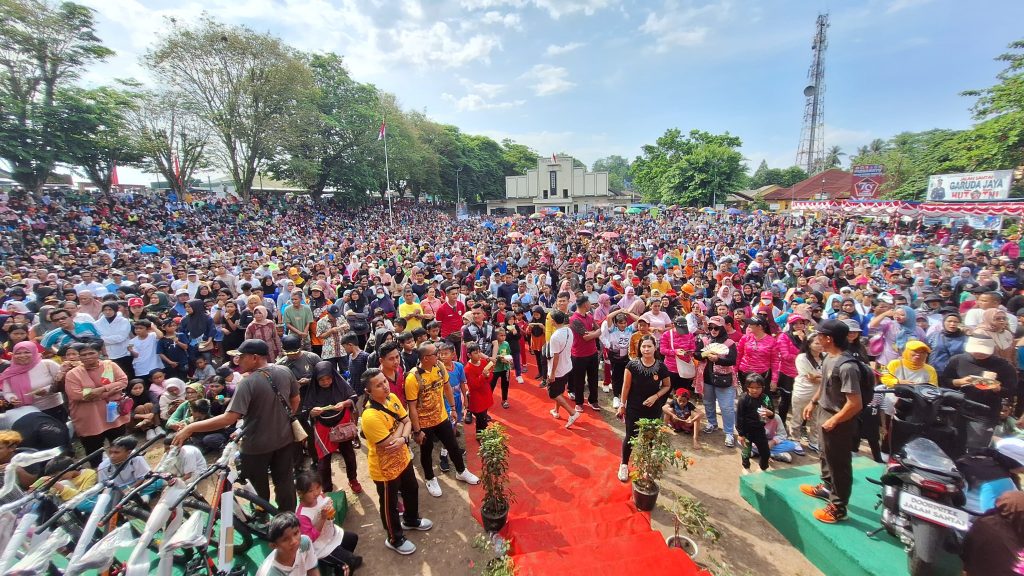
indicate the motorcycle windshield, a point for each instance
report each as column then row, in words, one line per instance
column 925, row 454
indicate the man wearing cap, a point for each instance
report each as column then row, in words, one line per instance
column 838, row 403
column 978, row 361
column 266, row 398
column 299, row 361
column 329, row 329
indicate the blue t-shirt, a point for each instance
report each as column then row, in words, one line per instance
column 456, row 377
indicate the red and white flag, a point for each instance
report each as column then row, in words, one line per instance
column 380, row 135
column 177, row 170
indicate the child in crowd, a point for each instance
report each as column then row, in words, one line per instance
column 479, row 392
column 156, row 382
column 143, row 348
column 457, row 379
column 70, row 483
column 204, row 370
column 682, row 416
column 218, row 395
column 194, row 409
column 174, row 357
column 172, row 397
column 1007, row 427
column 536, row 332
column 502, row 361
column 752, row 410
column 410, row 356
column 334, row 546
column 145, row 416
column 782, row 448
column 133, row 472
column 292, row 552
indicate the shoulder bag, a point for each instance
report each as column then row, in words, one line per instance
column 684, row 368
column 298, row 432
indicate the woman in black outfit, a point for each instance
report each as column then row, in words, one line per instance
column 328, row 401
column 644, row 387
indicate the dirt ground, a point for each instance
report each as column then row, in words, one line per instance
column 749, row 545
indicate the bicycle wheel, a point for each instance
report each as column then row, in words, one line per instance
column 253, row 514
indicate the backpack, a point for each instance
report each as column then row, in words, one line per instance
column 867, row 377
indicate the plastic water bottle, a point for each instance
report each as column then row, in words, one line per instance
column 111, row 411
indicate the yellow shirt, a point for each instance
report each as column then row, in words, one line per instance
column 407, row 308
column 430, row 399
column 377, row 426
column 664, row 286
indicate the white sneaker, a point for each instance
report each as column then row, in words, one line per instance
column 606, row 389
column 519, row 379
column 467, row 477
column 554, row 413
column 424, row 525
column 579, row 409
column 572, row 419
column 405, row 548
column 150, row 434
column 159, row 431
column 783, row 457
column 434, row 488
column 730, row 441
column 616, row 403
column 623, row 473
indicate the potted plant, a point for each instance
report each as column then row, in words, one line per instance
column 494, row 477
column 651, row 454
column 691, row 514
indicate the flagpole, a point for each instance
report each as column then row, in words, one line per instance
column 387, row 168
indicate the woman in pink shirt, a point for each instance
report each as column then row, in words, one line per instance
column 90, row 386
column 755, row 350
column 788, row 345
column 677, row 345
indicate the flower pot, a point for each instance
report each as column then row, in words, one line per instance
column 643, row 498
column 683, row 543
column 494, row 522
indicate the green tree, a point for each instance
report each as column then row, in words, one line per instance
column 330, row 153
column 833, row 158
column 43, row 48
column 759, row 177
column 172, row 139
column 765, row 176
column 518, row 158
column 250, row 89
column 618, row 171
column 693, row 170
column 576, row 162
column 98, row 135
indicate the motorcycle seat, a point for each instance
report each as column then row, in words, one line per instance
column 924, row 454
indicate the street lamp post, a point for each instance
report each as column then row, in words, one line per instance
column 458, row 192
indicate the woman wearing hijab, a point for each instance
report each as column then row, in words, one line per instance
column 159, row 304
column 263, row 328
column 947, row 342
column 116, row 330
column 630, row 302
column 995, row 325
column 996, row 540
column 43, row 324
column 896, row 327
column 788, row 345
column 27, row 381
column 328, row 402
column 196, row 329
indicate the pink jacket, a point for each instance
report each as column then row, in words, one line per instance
column 785, row 357
column 681, row 342
column 753, row 355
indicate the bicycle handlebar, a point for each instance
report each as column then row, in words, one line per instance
column 21, row 461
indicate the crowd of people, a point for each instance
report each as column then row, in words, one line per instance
column 140, row 314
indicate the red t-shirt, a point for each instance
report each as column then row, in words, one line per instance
column 450, row 319
column 481, row 397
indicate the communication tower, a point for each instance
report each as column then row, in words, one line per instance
column 811, row 155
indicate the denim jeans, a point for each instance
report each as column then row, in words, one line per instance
column 726, row 401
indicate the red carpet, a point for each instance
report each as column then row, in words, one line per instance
column 571, row 515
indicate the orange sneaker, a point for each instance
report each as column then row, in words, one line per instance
column 815, row 490
column 830, row 514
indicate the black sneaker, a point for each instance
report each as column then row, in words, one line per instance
column 445, row 465
column 746, row 463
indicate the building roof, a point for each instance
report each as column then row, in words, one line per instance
column 834, row 183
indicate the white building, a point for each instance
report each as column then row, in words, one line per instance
column 555, row 184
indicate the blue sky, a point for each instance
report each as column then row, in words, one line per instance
column 600, row 77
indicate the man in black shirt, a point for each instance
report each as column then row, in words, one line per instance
column 978, row 358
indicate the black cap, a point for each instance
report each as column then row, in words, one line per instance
column 334, row 310
column 837, row 329
column 679, row 320
column 291, row 343
column 251, row 346
column 934, row 298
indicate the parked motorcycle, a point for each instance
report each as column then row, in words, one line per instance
column 925, row 494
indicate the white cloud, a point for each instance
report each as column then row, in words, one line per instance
column 413, row 8
column 683, row 24
column 898, row 5
column 559, row 49
column 438, row 45
column 547, row 80
column 482, row 88
column 555, row 8
column 475, row 102
column 510, row 20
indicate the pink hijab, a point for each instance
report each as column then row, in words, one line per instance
column 17, row 374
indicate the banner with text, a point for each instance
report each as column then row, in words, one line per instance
column 970, row 187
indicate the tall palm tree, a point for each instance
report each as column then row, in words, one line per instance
column 877, row 145
column 832, row 157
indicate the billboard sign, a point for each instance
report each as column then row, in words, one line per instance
column 865, row 189
column 864, row 170
column 970, row 187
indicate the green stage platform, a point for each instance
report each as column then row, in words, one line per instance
column 841, row 549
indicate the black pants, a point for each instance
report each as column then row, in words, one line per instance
column 503, row 377
column 785, row 396
column 680, row 382
column 348, row 454
column 585, row 368
column 869, row 424
column 542, row 364
column 618, row 374
column 279, row 463
column 125, row 363
column 836, row 459
column 445, row 434
column 388, row 491
column 93, row 443
column 482, row 419
column 343, row 554
column 757, row 437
